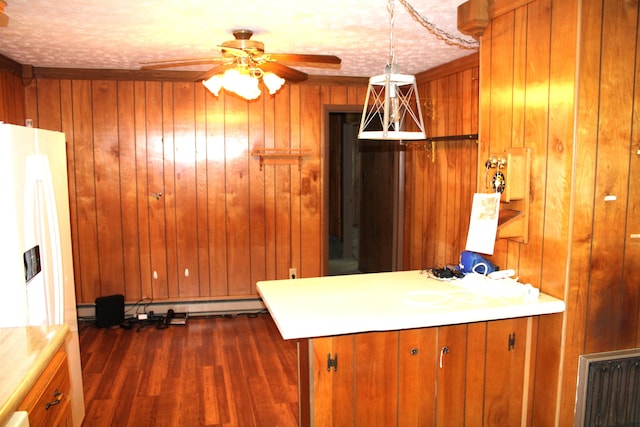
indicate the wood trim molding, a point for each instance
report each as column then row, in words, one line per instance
column 8, row 64
column 159, row 75
column 337, row 80
column 500, row 7
column 462, row 64
column 111, row 74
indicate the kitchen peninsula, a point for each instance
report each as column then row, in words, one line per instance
column 403, row 348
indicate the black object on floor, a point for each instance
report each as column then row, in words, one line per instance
column 109, row 311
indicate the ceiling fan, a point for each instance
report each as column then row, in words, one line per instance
column 244, row 53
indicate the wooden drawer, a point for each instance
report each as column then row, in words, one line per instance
column 48, row 402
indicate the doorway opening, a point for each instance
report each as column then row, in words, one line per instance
column 344, row 192
column 364, row 198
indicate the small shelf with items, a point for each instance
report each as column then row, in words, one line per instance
column 280, row 156
column 512, row 178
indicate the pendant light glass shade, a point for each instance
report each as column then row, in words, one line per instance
column 391, row 109
column 244, row 82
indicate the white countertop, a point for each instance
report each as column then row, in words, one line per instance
column 336, row 305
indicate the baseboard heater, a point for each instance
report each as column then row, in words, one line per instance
column 608, row 393
column 194, row 308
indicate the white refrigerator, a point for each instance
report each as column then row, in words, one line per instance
column 37, row 285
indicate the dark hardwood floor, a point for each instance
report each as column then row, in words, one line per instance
column 218, row 371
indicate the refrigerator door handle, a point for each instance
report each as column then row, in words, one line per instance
column 54, row 236
column 40, row 180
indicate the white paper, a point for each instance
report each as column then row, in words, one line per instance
column 483, row 226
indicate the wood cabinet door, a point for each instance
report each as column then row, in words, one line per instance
column 331, row 391
column 505, row 372
column 362, row 390
column 344, row 391
column 417, row 377
column 320, row 390
column 376, row 378
column 475, row 374
column 450, row 375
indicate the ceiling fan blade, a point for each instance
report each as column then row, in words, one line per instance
column 215, row 70
column 308, row 58
column 155, row 65
column 283, row 71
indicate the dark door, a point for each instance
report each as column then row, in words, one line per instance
column 380, row 205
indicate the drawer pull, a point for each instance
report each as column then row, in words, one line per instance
column 59, row 396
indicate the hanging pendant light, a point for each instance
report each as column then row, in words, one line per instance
column 391, row 108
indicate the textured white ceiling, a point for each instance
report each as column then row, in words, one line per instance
column 120, row 34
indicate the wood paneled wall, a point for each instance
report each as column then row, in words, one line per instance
column 604, row 291
column 441, row 176
column 11, row 98
column 167, row 201
column 562, row 77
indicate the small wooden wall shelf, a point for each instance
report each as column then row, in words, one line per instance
column 513, row 220
column 280, row 156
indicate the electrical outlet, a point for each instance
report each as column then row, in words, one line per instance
column 292, row 273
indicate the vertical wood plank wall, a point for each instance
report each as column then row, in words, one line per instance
column 441, row 176
column 11, row 99
column 562, row 77
column 231, row 223
column 167, row 201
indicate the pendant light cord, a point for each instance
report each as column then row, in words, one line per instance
column 392, row 19
column 446, row 37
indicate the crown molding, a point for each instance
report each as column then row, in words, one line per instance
column 461, row 64
column 28, row 73
column 8, row 64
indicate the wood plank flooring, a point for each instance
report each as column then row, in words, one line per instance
column 218, row 371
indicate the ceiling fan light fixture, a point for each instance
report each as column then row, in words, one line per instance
column 244, row 81
column 246, row 63
column 236, row 80
column 214, row 84
column 272, row 81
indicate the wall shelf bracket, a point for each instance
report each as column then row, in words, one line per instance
column 280, row 156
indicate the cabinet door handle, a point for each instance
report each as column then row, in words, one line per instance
column 58, row 399
column 444, row 351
